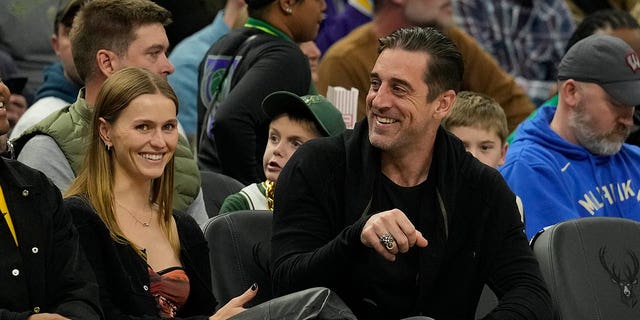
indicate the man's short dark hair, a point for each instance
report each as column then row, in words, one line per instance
column 445, row 68
column 111, row 25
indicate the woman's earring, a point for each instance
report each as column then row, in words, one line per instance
column 108, row 148
column 288, row 10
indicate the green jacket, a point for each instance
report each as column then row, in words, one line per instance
column 69, row 128
column 251, row 197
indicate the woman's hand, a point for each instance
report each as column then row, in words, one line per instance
column 235, row 305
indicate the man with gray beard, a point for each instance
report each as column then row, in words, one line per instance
column 572, row 161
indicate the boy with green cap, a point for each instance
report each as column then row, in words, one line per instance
column 294, row 121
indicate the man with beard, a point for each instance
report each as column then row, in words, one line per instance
column 572, row 161
column 349, row 61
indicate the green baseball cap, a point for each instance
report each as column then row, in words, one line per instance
column 326, row 116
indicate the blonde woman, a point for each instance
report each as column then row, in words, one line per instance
column 150, row 262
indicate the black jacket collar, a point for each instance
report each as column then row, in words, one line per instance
column 363, row 166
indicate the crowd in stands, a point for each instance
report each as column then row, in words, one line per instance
column 480, row 124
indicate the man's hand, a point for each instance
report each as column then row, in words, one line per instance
column 395, row 223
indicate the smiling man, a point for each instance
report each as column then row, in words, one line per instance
column 395, row 216
column 107, row 36
column 348, row 62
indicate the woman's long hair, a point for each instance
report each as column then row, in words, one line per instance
column 96, row 178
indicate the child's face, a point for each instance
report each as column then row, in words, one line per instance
column 285, row 136
column 486, row 146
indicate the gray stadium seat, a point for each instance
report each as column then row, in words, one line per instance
column 215, row 188
column 591, row 267
column 239, row 249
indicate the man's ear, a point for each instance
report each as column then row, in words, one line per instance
column 104, row 128
column 108, row 62
column 570, row 92
column 445, row 101
column 287, row 6
column 54, row 44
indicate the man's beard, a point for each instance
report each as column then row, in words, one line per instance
column 599, row 143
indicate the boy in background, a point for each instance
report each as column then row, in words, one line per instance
column 294, row 121
column 479, row 121
column 481, row 124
